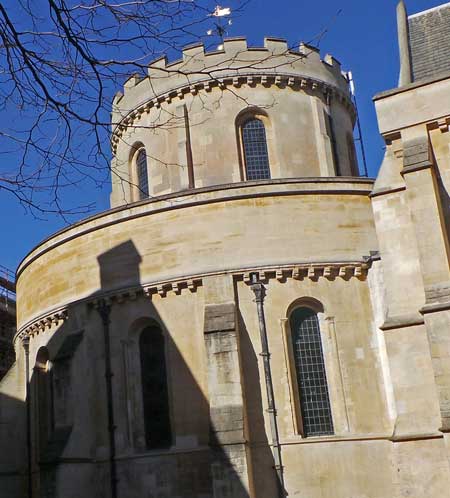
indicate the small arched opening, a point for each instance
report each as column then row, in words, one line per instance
column 251, row 127
column 310, row 370
column 155, row 393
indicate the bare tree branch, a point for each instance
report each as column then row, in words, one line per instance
column 61, row 62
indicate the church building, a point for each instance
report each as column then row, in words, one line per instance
column 251, row 318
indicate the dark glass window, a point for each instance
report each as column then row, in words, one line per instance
column 311, row 374
column 154, row 388
column 255, row 150
column 142, row 174
column 352, row 155
column 332, row 136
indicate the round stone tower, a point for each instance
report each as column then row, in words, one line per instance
column 189, row 118
column 163, row 340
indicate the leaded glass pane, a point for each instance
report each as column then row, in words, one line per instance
column 311, row 374
column 255, row 150
column 142, row 174
column 154, row 389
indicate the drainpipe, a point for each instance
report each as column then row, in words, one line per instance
column 260, row 292
column 189, row 159
column 104, row 311
column 26, row 348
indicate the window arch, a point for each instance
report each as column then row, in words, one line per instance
column 254, row 145
column 310, row 371
column 155, row 395
column 142, row 173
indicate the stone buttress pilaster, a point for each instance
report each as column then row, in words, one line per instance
column 230, row 467
column 424, row 201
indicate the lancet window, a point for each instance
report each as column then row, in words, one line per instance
column 256, row 156
column 352, row 155
column 155, row 395
column 312, row 383
column 142, row 173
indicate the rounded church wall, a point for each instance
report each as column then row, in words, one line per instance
column 172, row 240
column 189, row 115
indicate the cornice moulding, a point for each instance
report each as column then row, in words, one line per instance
column 300, row 271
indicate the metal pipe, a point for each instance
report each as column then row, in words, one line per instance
column 104, row 311
column 360, row 139
column 189, row 159
column 358, row 122
column 26, row 348
column 260, row 292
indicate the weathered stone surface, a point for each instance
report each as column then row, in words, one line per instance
column 230, row 469
column 220, row 318
column 376, row 272
column 416, row 152
column 412, row 220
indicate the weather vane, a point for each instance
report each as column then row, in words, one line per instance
column 221, row 23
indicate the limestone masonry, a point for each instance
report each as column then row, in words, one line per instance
column 251, row 318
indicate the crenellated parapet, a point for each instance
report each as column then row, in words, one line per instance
column 236, row 65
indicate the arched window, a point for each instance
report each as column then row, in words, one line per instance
column 142, row 174
column 311, row 375
column 44, row 398
column 352, row 155
column 155, row 394
column 254, row 144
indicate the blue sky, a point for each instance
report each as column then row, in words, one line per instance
column 362, row 36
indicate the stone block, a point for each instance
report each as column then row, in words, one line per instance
column 219, row 317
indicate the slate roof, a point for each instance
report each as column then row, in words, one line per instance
column 429, row 42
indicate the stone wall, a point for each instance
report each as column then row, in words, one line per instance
column 187, row 116
column 411, row 209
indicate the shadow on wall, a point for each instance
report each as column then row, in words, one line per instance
column 12, row 444
column 264, row 482
column 7, row 331
column 12, row 401
column 97, row 403
column 445, row 202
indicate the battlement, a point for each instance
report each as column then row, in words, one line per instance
column 236, row 54
column 236, row 64
column 235, row 58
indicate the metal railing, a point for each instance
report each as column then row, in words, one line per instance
column 7, row 286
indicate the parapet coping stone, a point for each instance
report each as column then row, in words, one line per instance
column 410, row 86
